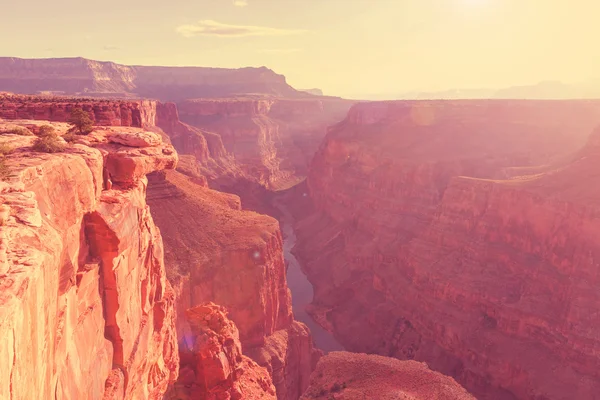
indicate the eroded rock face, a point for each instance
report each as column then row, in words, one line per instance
column 218, row 253
column 137, row 113
column 89, row 77
column 342, row 375
column 86, row 311
column 272, row 140
column 419, row 249
column 214, row 366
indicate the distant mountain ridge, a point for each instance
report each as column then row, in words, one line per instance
column 77, row 76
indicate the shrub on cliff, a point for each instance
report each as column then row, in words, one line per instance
column 81, row 121
column 46, row 130
column 4, row 171
column 5, row 149
column 49, row 144
column 19, row 130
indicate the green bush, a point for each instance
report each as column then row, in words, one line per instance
column 46, row 130
column 81, row 121
column 19, row 130
column 48, row 144
column 69, row 137
column 4, row 171
column 5, row 149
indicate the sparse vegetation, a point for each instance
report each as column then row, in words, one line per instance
column 46, row 130
column 48, row 144
column 4, row 214
column 5, row 149
column 337, row 387
column 19, row 130
column 69, row 137
column 81, row 121
column 4, row 171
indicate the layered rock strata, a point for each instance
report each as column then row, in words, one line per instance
column 88, row 77
column 136, row 113
column 86, row 311
column 218, row 253
column 272, row 140
column 418, row 249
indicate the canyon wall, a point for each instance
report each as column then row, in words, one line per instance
column 213, row 367
column 137, row 113
column 420, row 248
column 86, row 311
column 217, row 252
column 272, row 140
column 79, row 76
column 342, row 375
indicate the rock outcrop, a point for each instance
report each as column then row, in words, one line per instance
column 419, row 248
column 86, row 311
column 137, row 113
column 218, row 253
column 348, row 376
column 77, row 76
column 213, row 367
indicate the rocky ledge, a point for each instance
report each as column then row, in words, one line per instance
column 86, row 310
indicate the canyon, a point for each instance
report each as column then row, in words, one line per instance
column 461, row 234
column 221, row 235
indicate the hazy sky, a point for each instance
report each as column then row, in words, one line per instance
column 345, row 47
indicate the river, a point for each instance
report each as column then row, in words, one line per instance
column 300, row 286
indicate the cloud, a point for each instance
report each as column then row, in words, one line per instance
column 279, row 51
column 240, row 3
column 110, row 47
column 214, row 28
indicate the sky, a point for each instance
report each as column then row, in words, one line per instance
column 344, row 47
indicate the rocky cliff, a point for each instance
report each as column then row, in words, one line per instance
column 89, row 77
column 272, row 140
column 86, row 311
column 346, row 376
column 218, row 253
column 137, row 113
column 213, row 367
column 418, row 249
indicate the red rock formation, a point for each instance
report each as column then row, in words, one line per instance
column 346, row 376
column 214, row 366
column 138, row 113
column 86, row 311
column 272, row 140
column 206, row 147
column 216, row 252
column 488, row 281
column 89, row 77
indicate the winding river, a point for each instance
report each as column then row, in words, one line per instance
column 300, row 286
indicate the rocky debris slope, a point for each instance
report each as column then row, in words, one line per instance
column 418, row 249
column 137, row 113
column 351, row 376
column 86, row 311
column 218, row 253
column 213, row 367
column 89, row 77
